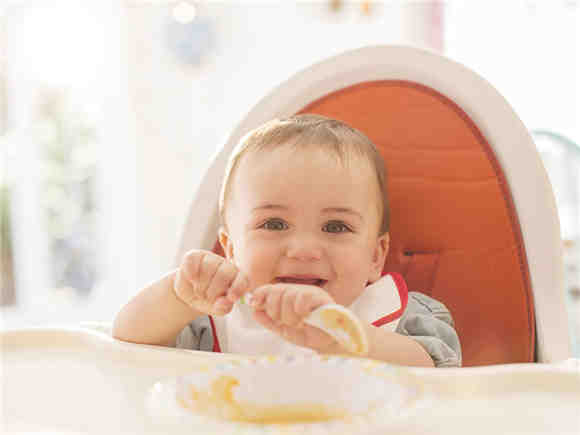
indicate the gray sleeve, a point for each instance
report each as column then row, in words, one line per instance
column 197, row 335
column 429, row 323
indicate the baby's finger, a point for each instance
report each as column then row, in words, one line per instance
column 302, row 304
column 189, row 275
column 272, row 303
column 293, row 335
column 191, row 265
column 239, row 287
column 222, row 305
column 222, row 280
column 306, row 302
column 183, row 288
column 288, row 314
column 263, row 319
column 208, row 268
column 259, row 297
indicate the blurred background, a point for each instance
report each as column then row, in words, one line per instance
column 111, row 109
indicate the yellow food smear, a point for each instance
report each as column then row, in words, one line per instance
column 333, row 319
column 219, row 402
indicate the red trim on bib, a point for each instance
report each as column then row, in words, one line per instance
column 403, row 295
column 216, row 343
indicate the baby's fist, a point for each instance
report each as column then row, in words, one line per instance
column 283, row 307
column 209, row 283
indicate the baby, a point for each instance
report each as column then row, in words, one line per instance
column 304, row 216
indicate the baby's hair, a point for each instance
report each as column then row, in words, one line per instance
column 301, row 132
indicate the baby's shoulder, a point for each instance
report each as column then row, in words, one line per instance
column 420, row 303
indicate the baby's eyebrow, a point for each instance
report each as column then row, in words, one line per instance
column 326, row 210
column 270, row 207
column 343, row 210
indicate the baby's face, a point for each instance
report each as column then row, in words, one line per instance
column 303, row 217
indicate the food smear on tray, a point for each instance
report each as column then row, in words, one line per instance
column 219, row 402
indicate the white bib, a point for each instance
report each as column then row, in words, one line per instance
column 381, row 304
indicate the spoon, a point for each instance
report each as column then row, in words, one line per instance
column 341, row 324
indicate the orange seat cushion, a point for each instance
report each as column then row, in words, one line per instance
column 454, row 230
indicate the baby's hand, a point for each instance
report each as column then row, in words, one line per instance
column 282, row 308
column 209, row 283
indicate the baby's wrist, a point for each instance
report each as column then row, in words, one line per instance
column 336, row 350
column 332, row 348
column 192, row 313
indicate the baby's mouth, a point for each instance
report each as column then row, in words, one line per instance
column 318, row 282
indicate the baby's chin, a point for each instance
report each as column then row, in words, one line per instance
column 343, row 296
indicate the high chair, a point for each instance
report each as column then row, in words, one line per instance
column 473, row 216
column 473, row 224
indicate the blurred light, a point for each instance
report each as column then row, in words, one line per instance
column 59, row 45
column 184, row 12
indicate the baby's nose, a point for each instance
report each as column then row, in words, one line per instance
column 304, row 248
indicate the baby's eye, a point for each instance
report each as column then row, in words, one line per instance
column 274, row 225
column 336, row 227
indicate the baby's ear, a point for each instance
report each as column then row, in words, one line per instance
column 379, row 257
column 226, row 243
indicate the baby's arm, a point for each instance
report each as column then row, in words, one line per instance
column 155, row 315
column 205, row 283
column 394, row 348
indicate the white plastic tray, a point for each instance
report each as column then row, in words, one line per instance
column 76, row 380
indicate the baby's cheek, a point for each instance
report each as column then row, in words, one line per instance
column 353, row 270
column 258, row 261
column 353, row 260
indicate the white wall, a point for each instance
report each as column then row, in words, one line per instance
column 528, row 50
column 71, row 46
column 183, row 113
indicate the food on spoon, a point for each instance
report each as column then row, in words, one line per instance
column 342, row 324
